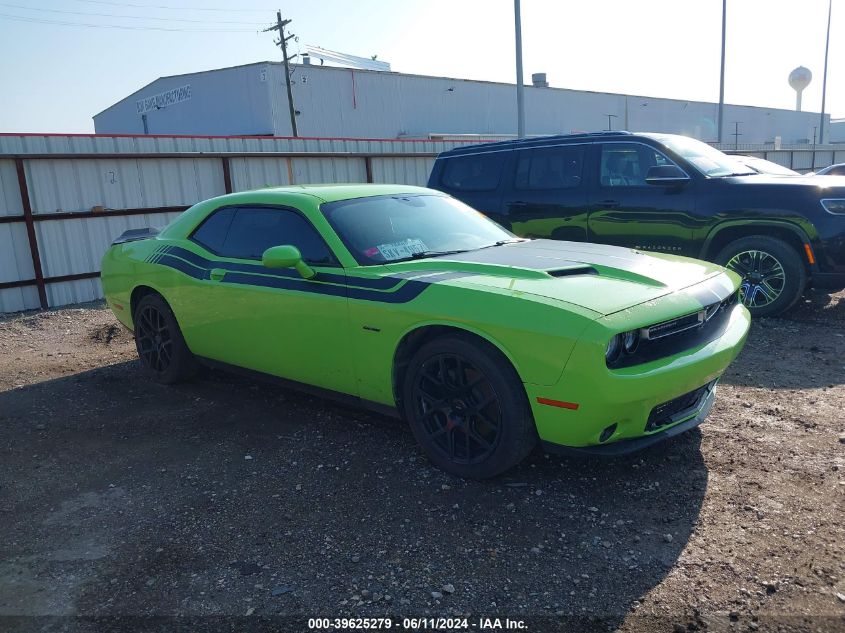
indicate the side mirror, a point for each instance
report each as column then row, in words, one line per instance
column 287, row 257
column 666, row 175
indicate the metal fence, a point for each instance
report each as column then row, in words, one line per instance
column 64, row 198
column 802, row 158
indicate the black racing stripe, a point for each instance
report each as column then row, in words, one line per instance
column 284, row 283
column 176, row 258
column 182, row 266
column 379, row 283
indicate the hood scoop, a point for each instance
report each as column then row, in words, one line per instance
column 572, row 271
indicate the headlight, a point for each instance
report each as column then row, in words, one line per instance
column 614, row 348
column 630, row 341
column 834, row 205
column 625, row 344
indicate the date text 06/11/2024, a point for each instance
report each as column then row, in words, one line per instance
column 418, row 624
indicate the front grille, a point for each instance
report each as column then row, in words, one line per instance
column 678, row 408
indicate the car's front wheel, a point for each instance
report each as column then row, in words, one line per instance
column 159, row 341
column 773, row 275
column 467, row 407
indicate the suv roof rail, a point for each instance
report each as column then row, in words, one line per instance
column 516, row 142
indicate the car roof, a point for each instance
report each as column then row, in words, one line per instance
column 335, row 192
column 533, row 141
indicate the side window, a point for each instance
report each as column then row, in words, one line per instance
column 211, row 234
column 626, row 164
column 550, row 168
column 477, row 172
column 252, row 230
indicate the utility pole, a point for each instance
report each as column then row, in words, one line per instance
column 520, row 88
column 824, row 78
column 722, row 75
column 280, row 27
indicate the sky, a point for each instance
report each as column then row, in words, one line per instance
column 56, row 74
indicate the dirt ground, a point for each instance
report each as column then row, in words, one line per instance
column 229, row 504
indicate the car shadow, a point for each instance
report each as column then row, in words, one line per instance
column 225, row 496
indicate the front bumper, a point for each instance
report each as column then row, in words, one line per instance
column 597, row 398
column 623, row 447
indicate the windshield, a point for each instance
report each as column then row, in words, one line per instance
column 708, row 160
column 392, row 228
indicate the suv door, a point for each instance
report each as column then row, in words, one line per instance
column 626, row 211
column 270, row 320
column 474, row 179
column 545, row 194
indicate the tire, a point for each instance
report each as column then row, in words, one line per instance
column 445, row 382
column 773, row 275
column 159, row 341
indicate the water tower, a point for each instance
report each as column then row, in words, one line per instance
column 799, row 79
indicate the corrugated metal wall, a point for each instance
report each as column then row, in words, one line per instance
column 64, row 198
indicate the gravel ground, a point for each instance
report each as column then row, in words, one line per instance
column 235, row 505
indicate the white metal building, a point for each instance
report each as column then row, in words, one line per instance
column 349, row 103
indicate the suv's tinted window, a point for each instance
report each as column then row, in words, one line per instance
column 211, row 234
column 253, row 230
column 549, row 167
column 626, row 164
column 477, row 172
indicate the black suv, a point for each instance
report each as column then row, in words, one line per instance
column 661, row 192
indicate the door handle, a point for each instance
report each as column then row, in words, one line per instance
column 610, row 204
column 518, row 204
column 217, row 274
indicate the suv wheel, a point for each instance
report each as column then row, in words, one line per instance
column 467, row 408
column 773, row 275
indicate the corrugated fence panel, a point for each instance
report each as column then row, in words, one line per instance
column 19, row 299
column 319, row 170
column 823, row 159
column 68, row 292
column 179, row 181
column 57, row 186
column 402, row 171
column 73, row 247
column 79, row 185
column 10, row 193
column 87, row 144
column 255, row 173
column 15, row 258
column 802, row 160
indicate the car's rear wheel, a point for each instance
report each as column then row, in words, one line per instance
column 467, row 408
column 773, row 275
column 159, row 341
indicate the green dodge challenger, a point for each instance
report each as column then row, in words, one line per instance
column 408, row 301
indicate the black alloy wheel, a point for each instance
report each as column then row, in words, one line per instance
column 467, row 407
column 159, row 341
column 154, row 340
column 458, row 408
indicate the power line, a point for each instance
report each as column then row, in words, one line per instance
column 20, row 18
column 153, row 6
column 129, row 17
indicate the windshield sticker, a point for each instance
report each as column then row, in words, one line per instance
column 401, row 249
